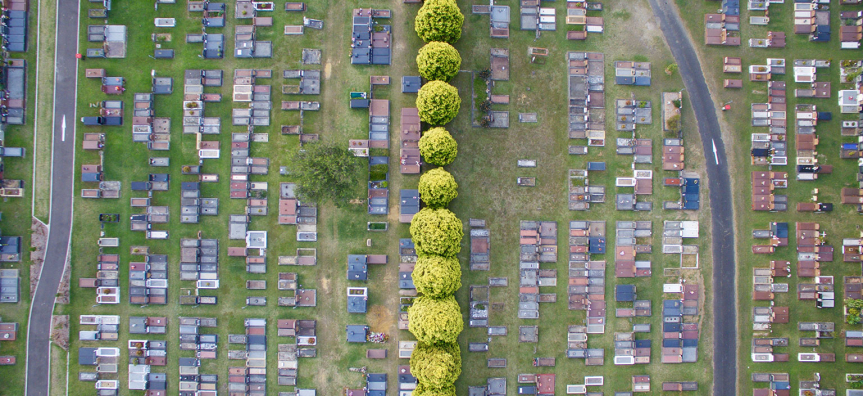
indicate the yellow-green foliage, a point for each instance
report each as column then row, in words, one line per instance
column 435, row 320
column 438, row 102
column 422, row 390
column 439, row 20
column 438, row 147
column 436, row 366
column 436, row 232
column 437, row 276
column 437, row 188
column 438, row 61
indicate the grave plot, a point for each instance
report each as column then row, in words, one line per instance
column 479, row 246
column 812, row 251
column 770, row 149
column 143, row 356
column 577, row 16
column 586, row 287
column 199, row 262
column 680, row 325
column 479, row 306
column 370, row 41
column 581, row 192
column 293, row 294
column 632, row 238
column 96, row 328
column 674, row 235
column 499, row 17
column 538, row 244
column 309, row 84
column 148, row 280
column 246, row 43
column 586, row 104
column 205, row 346
column 409, row 153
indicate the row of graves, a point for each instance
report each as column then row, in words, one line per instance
column 105, row 361
column 722, row 29
column 370, row 42
column 194, row 120
column 812, row 19
column 773, row 40
column 676, row 236
column 205, row 345
column 258, row 96
column 409, row 152
column 107, row 280
column 629, row 114
column 680, row 324
column 251, row 378
column 148, row 280
column 303, row 345
column 806, row 143
column 294, row 30
column 586, row 100
column 16, row 17
column 765, row 73
column 213, row 16
column 154, row 131
column 199, row 262
column 537, row 244
column 767, row 384
column 536, row 18
column 771, row 148
column 110, row 114
column 8, row 333
column 499, row 67
column 578, row 15
column 246, row 43
column 499, row 18
column 632, row 73
column 850, row 33
column 308, row 84
column 587, row 288
column 112, row 39
column 13, row 100
column 144, row 355
column 812, row 251
column 294, row 212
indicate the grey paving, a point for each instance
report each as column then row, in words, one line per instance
column 724, row 270
column 62, row 166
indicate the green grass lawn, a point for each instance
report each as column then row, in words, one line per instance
column 485, row 170
column 842, row 223
column 16, row 221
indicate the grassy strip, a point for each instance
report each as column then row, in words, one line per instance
column 44, row 119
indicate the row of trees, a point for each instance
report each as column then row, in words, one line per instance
column 435, row 317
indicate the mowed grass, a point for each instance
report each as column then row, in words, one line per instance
column 842, row 223
column 485, row 170
column 45, row 121
column 16, row 221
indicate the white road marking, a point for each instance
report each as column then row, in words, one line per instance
column 715, row 155
column 63, row 128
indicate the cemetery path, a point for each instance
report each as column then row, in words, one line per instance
column 724, row 270
column 62, row 182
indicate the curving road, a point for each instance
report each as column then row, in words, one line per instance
column 724, row 271
column 62, row 181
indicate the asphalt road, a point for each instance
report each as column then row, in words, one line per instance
column 62, row 174
column 724, row 271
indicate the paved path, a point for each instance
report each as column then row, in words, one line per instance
column 62, row 174
column 724, row 271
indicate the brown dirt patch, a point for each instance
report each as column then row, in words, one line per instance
column 60, row 331
column 38, row 240
column 63, row 289
column 380, row 319
column 325, row 285
column 328, row 70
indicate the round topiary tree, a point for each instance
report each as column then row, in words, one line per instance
column 436, row 366
column 438, row 102
column 436, row 232
column 423, row 390
column 435, row 320
column 437, row 276
column 437, row 188
column 439, row 20
column 438, row 147
column 438, row 61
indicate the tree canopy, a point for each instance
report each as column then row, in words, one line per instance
column 326, row 172
column 436, row 366
column 438, row 61
column 435, row 320
column 439, row 20
column 438, row 102
column 437, row 276
column 438, row 147
column 436, row 232
column 437, row 188
column 423, row 390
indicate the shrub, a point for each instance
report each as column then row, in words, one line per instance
column 437, row 276
column 438, row 102
column 439, row 20
column 438, row 147
column 436, row 232
column 436, row 366
column 435, row 321
column 326, row 173
column 438, row 61
column 673, row 123
column 437, row 188
column 423, row 390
